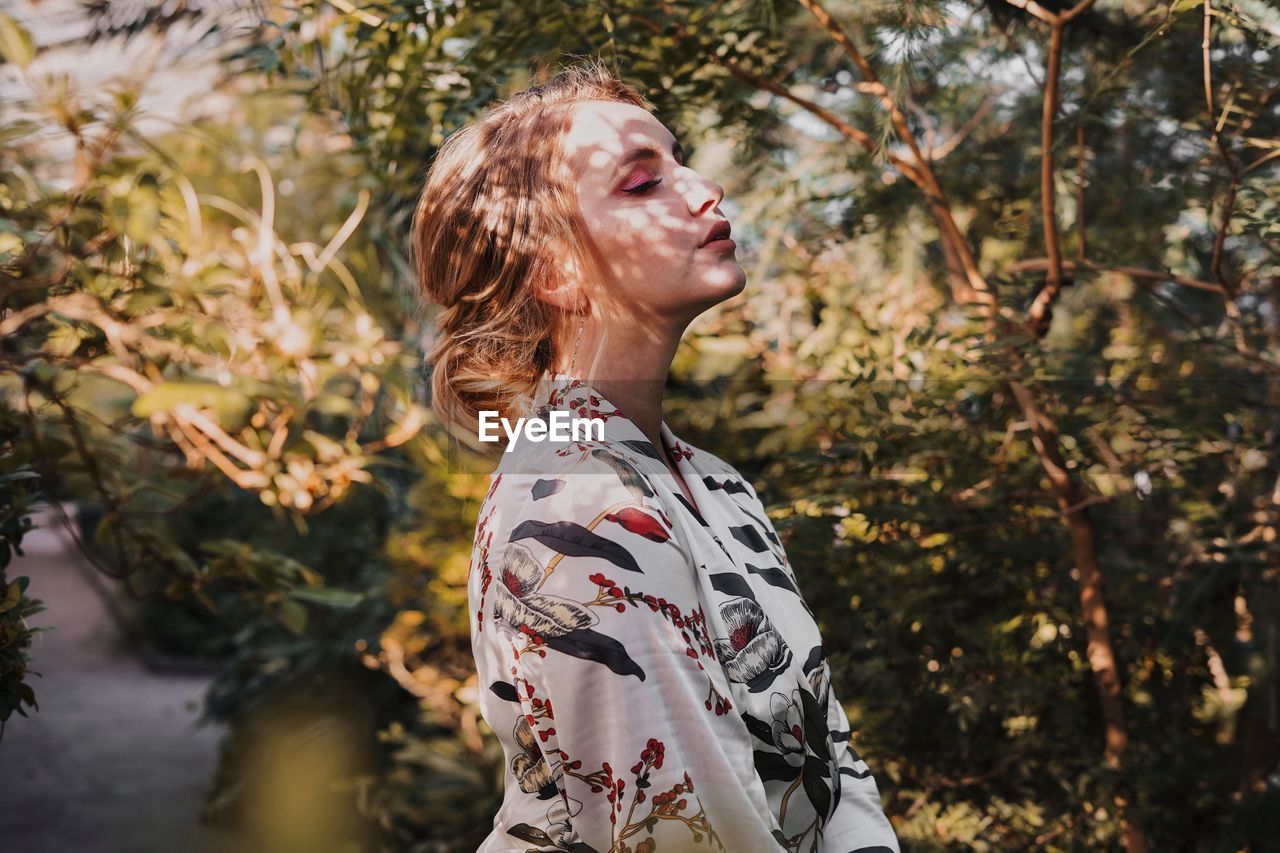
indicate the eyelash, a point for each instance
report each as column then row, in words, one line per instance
column 641, row 189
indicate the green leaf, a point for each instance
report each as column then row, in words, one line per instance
column 328, row 596
column 230, row 404
column 16, row 45
column 332, row 404
column 12, row 595
column 205, row 601
column 293, row 616
column 28, row 696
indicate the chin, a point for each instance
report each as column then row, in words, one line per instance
column 713, row 292
column 734, row 284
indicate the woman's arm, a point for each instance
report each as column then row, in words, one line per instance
column 592, row 602
column 858, row 824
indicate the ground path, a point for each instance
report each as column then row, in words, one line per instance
column 113, row 761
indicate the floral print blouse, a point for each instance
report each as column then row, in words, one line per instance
column 650, row 667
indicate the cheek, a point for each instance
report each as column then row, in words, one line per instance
column 642, row 255
column 637, row 237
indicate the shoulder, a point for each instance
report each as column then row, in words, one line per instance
column 593, row 508
column 578, row 487
column 709, row 461
column 726, row 477
column 585, row 464
column 618, row 458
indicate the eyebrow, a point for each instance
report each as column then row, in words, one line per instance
column 648, row 152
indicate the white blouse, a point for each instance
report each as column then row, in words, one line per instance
column 654, row 675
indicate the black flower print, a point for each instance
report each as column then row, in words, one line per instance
column 530, row 768
column 555, row 832
column 788, row 727
column 519, row 608
column 797, row 752
column 820, row 682
column 753, row 653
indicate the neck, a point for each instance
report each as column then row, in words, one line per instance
column 630, row 371
column 640, row 400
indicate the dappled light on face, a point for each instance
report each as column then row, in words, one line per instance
column 647, row 215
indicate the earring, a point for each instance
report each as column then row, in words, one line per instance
column 574, row 360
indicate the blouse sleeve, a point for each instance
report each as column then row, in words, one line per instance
column 858, row 823
column 601, row 631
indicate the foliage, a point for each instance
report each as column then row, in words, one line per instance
column 880, row 420
column 16, row 607
column 165, row 337
column 945, row 479
column 214, row 387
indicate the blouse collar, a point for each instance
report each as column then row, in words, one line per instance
column 560, row 391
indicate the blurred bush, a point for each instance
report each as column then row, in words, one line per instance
column 18, row 497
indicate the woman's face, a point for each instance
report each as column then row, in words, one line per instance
column 648, row 216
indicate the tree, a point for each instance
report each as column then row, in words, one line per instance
column 1134, row 118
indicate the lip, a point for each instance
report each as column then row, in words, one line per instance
column 719, row 233
column 724, row 243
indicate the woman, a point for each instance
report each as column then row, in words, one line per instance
column 645, row 657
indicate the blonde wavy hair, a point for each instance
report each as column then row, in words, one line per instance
column 498, row 214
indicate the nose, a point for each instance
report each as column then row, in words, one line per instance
column 702, row 192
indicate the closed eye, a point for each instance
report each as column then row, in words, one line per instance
column 642, row 189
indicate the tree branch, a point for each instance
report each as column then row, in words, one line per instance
column 1037, row 264
column 1039, row 313
column 969, row 285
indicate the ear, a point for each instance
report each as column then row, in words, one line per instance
column 561, row 285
